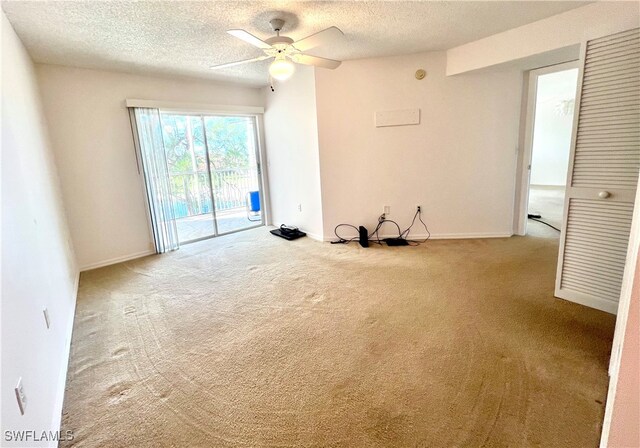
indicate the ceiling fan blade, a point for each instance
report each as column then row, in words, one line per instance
column 324, row 37
column 232, row 64
column 315, row 60
column 249, row 38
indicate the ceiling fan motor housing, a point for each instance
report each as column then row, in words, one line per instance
column 279, row 42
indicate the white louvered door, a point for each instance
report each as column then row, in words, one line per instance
column 603, row 173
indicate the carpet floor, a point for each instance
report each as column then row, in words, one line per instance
column 252, row 341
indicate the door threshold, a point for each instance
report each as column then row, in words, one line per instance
column 195, row 240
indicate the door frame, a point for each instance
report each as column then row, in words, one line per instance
column 260, row 157
column 522, row 201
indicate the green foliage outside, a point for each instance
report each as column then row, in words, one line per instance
column 227, row 140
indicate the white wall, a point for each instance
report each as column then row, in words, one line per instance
column 458, row 164
column 624, row 385
column 620, row 427
column 555, row 100
column 38, row 265
column 528, row 42
column 291, row 133
column 91, row 136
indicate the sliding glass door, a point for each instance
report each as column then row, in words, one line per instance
column 185, row 148
column 214, row 170
column 233, row 164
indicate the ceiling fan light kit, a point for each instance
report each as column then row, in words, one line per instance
column 285, row 51
column 281, row 69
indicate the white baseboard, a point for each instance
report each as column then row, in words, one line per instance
column 56, row 423
column 440, row 236
column 115, row 260
column 464, row 236
column 314, row 236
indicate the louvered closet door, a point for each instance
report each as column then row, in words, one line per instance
column 603, row 174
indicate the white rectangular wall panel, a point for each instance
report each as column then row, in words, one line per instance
column 404, row 117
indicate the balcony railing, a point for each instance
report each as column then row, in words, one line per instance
column 191, row 194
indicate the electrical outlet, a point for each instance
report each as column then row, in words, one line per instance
column 21, row 396
column 46, row 317
column 418, row 208
column 299, row 207
column 386, row 210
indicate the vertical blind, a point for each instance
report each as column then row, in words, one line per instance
column 150, row 146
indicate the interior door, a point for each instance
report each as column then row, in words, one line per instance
column 603, row 173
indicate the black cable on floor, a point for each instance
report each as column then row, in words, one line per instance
column 343, row 240
column 545, row 223
column 375, row 234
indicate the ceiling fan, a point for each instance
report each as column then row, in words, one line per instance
column 284, row 50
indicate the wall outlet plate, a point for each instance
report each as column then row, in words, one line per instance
column 21, row 396
column 386, row 210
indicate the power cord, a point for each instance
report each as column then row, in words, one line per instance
column 405, row 234
column 402, row 235
column 344, row 240
column 381, row 221
column 536, row 218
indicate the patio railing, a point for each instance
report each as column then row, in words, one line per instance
column 191, row 195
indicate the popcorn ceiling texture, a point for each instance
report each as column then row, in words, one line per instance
column 185, row 38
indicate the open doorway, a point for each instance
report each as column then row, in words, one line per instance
column 550, row 117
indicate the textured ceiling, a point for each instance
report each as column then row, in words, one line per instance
column 185, row 37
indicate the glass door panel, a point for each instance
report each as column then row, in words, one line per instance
column 235, row 177
column 185, row 148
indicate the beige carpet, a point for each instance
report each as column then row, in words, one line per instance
column 249, row 340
